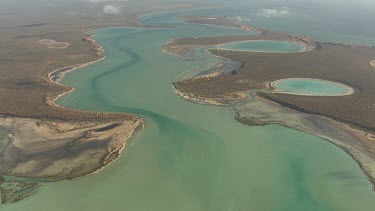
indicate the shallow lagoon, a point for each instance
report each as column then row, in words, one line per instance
column 313, row 87
column 265, row 46
column 190, row 156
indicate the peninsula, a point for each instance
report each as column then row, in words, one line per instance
column 340, row 118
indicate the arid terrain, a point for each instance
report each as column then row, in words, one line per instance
column 39, row 140
column 42, row 142
column 49, row 150
column 332, row 62
column 346, row 121
column 347, row 64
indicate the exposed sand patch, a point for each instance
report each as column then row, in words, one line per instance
column 37, row 150
column 372, row 63
column 54, row 44
column 224, row 100
column 211, row 75
column 197, row 99
column 58, row 150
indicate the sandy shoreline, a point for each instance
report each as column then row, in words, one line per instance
column 273, row 85
column 101, row 140
column 205, row 101
column 100, row 50
column 96, row 138
column 117, row 152
column 52, row 102
column 111, row 138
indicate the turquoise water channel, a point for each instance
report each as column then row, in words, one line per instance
column 313, row 87
column 189, row 156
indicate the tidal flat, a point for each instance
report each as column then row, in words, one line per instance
column 37, row 151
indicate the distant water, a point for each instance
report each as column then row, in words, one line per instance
column 190, row 156
column 316, row 87
column 344, row 21
column 265, row 46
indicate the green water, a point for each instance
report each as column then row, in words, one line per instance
column 265, row 46
column 190, row 156
column 305, row 86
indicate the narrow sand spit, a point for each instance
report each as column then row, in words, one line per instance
column 196, row 99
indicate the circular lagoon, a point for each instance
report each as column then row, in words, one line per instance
column 270, row 46
column 311, row 87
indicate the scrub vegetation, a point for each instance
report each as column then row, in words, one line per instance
column 39, row 140
column 346, row 64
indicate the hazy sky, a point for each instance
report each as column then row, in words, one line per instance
column 321, row 19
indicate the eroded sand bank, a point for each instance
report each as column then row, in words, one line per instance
column 51, row 150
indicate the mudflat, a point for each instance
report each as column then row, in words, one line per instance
column 55, row 150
